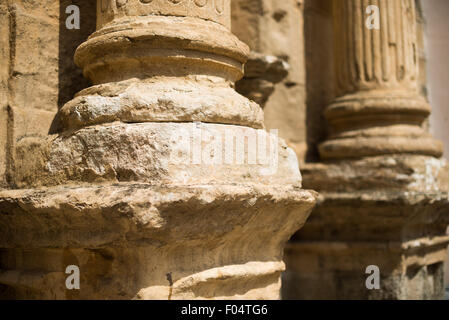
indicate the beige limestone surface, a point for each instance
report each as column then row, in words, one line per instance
column 275, row 28
column 116, row 188
column 38, row 74
column 127, row 238
column 110, row 198
column 383, row 184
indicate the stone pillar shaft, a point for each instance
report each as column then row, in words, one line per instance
column 214, row 10
column 375, row 59
column 160, row 182
column 378, row 110
column 383, row 188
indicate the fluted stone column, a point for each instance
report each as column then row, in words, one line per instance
column 159, row 181
column 383, row 186
column 378, row 110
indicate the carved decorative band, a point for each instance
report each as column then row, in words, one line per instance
column 110, row 5
column 211, row 10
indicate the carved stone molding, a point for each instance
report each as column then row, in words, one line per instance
column 213, row 10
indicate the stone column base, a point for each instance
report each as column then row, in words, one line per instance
column 397, row 228
column 148, row 242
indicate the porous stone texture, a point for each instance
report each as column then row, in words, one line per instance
column 148, row 242
column 161, row 99
column 159, row 181
column 139, row 185
column 158, row 153
column 387, row 211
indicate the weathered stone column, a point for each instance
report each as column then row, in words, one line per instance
column 159, row 181
column 383, row 186
column 379, row 110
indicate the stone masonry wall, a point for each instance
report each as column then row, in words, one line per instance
column 275, row 28
column 37, row 73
